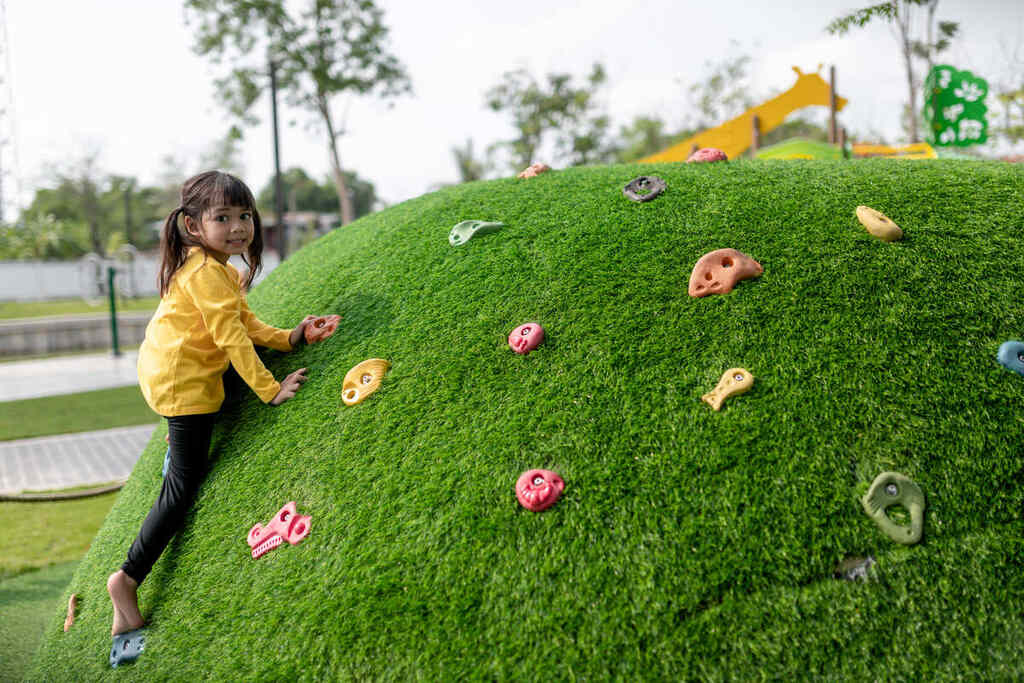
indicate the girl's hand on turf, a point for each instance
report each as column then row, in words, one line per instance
column 289, row 387
column 298, row 335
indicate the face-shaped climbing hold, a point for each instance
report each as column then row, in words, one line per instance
column 893, row 488
column 321, row 328
column 878, row 224
column 718, row 271
column 538, row 489
column 363, row 380
column 707, row 154
column 467, row 230
column 533, row 170
column 1011, row 356
column 526, row 337
column 735, row 381
column 644, row 189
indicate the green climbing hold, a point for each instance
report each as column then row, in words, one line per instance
column 893, row 488
column 467, row 230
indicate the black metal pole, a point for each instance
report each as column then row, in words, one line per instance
column 113, row 311
column 282, row 228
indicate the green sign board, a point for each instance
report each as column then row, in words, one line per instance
column 954, row 107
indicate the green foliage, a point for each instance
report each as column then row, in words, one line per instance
column 689, row 544
column 42, row 238
column 468, row 166
column 568, row 116
column 328, row 48
column 302, row 193
column 724, row 92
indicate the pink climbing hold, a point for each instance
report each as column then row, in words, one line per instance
column 708, row 154
column 526, row 337
column 286, row 525
column 718, row 271
column 538, row 489
column 533, row 170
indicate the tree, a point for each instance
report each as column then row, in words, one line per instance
column 901, row 14
column 568, row 115
column 724, row 92
column 331, row 47
column 302, row 193
column 468, row 166
column 645, row 136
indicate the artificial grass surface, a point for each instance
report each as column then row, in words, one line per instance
column 688, row 543
column 70, row 413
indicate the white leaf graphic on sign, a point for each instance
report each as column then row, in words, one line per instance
column 948, row 135
column 969, row 92
column 953, row 113
column 970, row 129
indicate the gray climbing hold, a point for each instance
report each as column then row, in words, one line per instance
column 853, row 568
column 467, row 230
column 645, row 188
column 127, row 647
column 893, row 488
column 1011, row 356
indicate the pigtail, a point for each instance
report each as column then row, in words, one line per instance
column 173, row 251
column 254, row 257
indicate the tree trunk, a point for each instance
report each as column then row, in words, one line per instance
column 903, row 22
column 344, row 201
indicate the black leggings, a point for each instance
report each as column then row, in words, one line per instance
column 190, row 446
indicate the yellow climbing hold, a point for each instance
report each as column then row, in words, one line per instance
column 363, row 380
column 878, row 224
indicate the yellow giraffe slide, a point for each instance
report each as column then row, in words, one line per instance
column 735, row 135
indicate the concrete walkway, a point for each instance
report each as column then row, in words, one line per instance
column 56, row 462
column 66, row 375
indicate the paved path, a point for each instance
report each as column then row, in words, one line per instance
column 55, row 462
column 66, row 375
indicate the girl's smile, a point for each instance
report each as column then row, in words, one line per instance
column 225, row 231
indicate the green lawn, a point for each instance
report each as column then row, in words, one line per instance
column 26, row 603
column 69, row 413
column 39, row 309
column 689, row 543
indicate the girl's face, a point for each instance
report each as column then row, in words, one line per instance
column 224, row 231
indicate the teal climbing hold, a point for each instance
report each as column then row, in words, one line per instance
column 893, row 488
column 467, row 230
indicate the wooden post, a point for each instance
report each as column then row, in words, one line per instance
column 832, row 136
column 842, row 142
column 755, row 134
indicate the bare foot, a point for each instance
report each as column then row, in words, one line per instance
column 122, row 589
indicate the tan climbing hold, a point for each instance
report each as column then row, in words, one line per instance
column 70, row 620
column 533, row 170
column 735, row 381
column 878, row 224
column 717, row 272
column 363, row 380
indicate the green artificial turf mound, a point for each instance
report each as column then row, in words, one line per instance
column 688, row 542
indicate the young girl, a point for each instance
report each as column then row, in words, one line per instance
column 202, row 325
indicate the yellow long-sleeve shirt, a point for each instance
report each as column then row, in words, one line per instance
column 203, row 323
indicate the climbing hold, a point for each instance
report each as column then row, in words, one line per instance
column 1011, row 356
column 526, row 337
column 853, row 568
column 734, row 382
column 363, row 380
column 717, row 272
column 538, row 489
column 533, row 170
column 127, row 647
column 286, row 525
column 707, row 154
column 893, row 488
column 467, row 230
column 644, row 189
column 878, row 224
column 70, row 619
column 321, row 328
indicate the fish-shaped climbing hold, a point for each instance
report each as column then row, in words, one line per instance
column 878, row 224
column 363, row 380
column 467, row 230
column 526, row 337
column 893, row 488
column 1011, row 356
column 735, row 381
column 538, row 489
column 718, row 271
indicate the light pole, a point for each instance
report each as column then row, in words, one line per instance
column 278, row 192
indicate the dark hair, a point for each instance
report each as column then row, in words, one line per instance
column 198, row 195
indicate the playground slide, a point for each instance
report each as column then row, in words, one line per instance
column 734, row 136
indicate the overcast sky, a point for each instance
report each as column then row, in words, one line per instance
column 119, row 76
